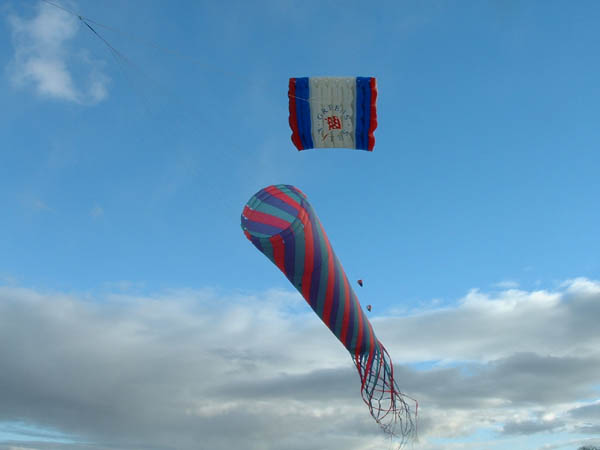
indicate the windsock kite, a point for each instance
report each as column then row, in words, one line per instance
column 282, row 224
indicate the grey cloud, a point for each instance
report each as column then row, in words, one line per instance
column 579, row 444
column 591, row 412
column 521, row 379
column 487, row 327
column 588, row 418
column 260, row 372
column 531, row 426
column 588, row 429
column 144, row 372
column 335, row 384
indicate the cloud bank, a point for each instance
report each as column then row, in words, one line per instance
column 202, row 369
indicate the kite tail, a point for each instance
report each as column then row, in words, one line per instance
column 379, row 390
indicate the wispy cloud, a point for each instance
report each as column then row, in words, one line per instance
column 32, row 202
column 40, row 205
column 7, row 278
column 124, row 286
column 12, row 447
column 531, row 426
column 261, row 371
column 506, row 284
column 44, row 61
column 96, row 212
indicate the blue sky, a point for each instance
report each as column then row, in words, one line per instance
column 122, row 179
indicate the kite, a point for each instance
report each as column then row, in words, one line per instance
column 330, row 112
column 282, row 224
column 360, row 283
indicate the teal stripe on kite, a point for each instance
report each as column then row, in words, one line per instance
column 274, row 211
column 267, row 249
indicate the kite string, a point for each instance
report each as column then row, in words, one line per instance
column 87, row 21
column 302, row 98
column 153, row 44
column 120, row 59
column 202, row 62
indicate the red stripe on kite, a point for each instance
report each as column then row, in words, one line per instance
column 293, row 119
column 330, row 282
column 283, row 197
column 267, row 219
column 309, row 253
column 373, row 121
column 278, row 251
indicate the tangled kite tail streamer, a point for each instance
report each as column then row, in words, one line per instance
column 387, row 404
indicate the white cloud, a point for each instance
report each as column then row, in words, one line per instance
column 485, row 327
column 44, row 61
column 261, row 371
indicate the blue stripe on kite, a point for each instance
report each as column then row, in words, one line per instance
column 358, row 130
column 337, row 300
column 257, row 227
column 295, row 190
column 294, row 194
column 323, row 272
column 277, row 203
column 289, row 257
column 351, row 334
column 363, row 112
column 316, row 275
column 303, row 112
column 256, row 242
column 367, row 116
column 299, row 255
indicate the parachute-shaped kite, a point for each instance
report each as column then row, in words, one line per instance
column 281, row 223
column 333, row 112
